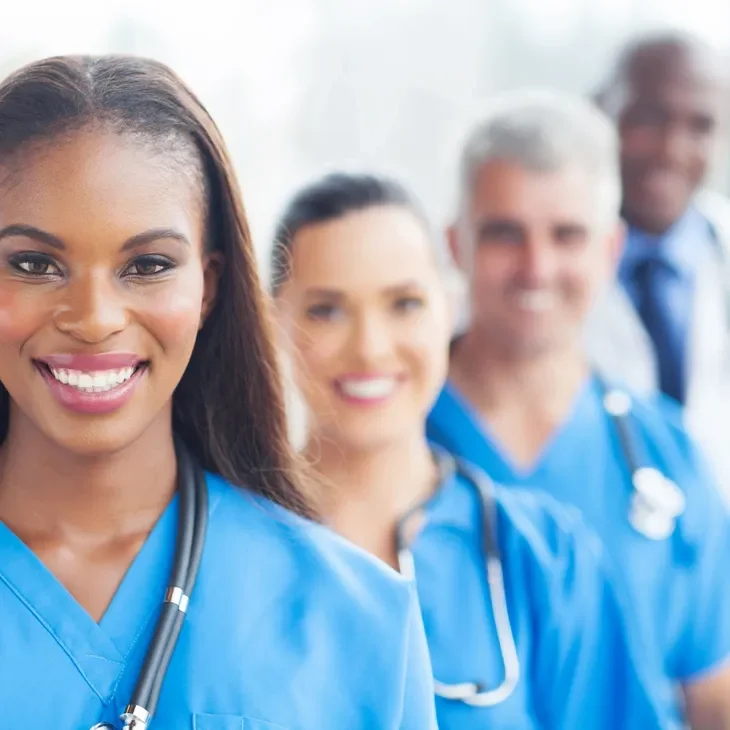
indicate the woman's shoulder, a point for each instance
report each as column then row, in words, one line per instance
column 285, row 548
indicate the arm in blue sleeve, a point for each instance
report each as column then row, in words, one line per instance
column 706, row 528
column 591, row 669
column 419, row 710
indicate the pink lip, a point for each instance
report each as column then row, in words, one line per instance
column 92, row 403
column 92, row 363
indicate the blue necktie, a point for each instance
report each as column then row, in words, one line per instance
column 654, row 280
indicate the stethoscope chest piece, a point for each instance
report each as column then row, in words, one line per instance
column 656, row 503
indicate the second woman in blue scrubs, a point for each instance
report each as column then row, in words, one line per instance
column 366, row 316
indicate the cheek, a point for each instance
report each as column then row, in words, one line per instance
column 637, row 143
column 21, row 314
column 427, row 350
column 493, row 268
column 703, row 151
column 173, row 313
column 317, row 355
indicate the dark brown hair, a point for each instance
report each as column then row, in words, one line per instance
column 229, row 406
column 327, row 199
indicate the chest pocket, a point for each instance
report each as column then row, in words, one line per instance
column 232, row 722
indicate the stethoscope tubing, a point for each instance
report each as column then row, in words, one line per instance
column 190, row 541
column 472, row 693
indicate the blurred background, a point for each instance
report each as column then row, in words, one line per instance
column 302, row 86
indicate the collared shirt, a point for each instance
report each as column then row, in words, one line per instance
column 658, row 273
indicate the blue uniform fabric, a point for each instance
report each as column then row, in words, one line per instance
column 678, row 587
column 289, row 628
column 580, row 663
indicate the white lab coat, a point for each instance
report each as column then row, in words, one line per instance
column 620, row 348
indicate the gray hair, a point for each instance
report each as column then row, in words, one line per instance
column 546, row 131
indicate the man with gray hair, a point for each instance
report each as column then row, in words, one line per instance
column 538, row 236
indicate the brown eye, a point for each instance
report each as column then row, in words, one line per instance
column 408, row 304
column 33, row 263
column 323, row 311
column 148, row 266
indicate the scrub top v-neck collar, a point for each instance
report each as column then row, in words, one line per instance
column 98, row 650
column 508, row 469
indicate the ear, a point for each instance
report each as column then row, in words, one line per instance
column 456, row 248
column 212, row 269
column 617, row 244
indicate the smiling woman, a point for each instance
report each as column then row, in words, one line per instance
column 139, row 391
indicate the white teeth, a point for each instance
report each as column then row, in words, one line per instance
column 95, row 382
column 535, row 301
column 368, row 389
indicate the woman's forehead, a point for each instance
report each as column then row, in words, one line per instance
column 377, row 243
column 98, row 179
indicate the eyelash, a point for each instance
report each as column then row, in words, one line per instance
column 18, row 260
column 323, row 312
column 406, row 304
column 163, row 262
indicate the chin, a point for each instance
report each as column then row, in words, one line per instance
column 91, row 436
column 373, row 439
column 93, row 440
column 535, row 347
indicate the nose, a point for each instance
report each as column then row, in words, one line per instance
column 91, row 310
column 676, row 145
column 538, row 260
column 371, row 338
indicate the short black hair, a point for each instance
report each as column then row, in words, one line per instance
column 330, row 198
column 651, row 44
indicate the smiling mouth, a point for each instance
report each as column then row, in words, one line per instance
column 366, row 390
column 97, row 381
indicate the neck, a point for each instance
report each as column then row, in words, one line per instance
column 636, row 220
column 47, row 489
column 371, row 489
column 543, row 382
column 523, row 399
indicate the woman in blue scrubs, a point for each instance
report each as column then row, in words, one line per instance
column 130, row 311
column 365, row 314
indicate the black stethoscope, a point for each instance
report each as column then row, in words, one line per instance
column 472, row 693
column 192, row 524
column 656, row 504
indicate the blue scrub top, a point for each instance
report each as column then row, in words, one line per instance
column 581, row 666
column 678, row 586
column 289, row 628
